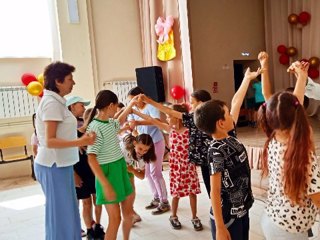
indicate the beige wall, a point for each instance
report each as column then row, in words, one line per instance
column 115, row 44
column 11, row 70
column 116, row 33
column 220, row 31
column 76, row 48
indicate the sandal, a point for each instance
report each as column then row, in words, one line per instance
column 136, row 218
column 197, row 225
column 175, row 223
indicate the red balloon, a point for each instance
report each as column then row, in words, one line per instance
column 304, row 18
column 177, row 92
column 313, row 73
column 284, row 59
column 28, row 78
column 282, row 49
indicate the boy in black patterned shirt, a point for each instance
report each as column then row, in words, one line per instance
column 231, row 194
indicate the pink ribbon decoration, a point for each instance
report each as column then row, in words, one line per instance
column 163, row 28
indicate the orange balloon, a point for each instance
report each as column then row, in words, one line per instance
column 314, row 62
column 35, row 88
column 291, row 51
column 293, row 18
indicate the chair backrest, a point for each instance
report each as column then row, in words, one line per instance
column 12, row 142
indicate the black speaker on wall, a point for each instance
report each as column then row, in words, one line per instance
column 150, row 79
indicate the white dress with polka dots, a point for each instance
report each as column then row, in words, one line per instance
column 292, row 218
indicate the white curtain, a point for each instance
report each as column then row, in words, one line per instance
column 279, row 31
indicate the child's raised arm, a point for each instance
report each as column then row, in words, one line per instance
column 300, row 69
column 161, row 108
column 154, row 121
column 122, row 115
column 238, row 97
column 263, row 58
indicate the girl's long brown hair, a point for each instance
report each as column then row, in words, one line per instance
column 284, row 112
column 144, row 139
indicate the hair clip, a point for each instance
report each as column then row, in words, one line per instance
column 296, row 103
column 264, row 104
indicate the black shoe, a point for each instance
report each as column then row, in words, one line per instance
column 83, row 233
column 163, row 207
column 153, row 204
column 90, row 234
column 98, row 232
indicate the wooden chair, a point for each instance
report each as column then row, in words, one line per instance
column 17, row 143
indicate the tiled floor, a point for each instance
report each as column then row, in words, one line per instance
column 22, row 214
column 22, row 209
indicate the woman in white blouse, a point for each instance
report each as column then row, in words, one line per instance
column 57, row 153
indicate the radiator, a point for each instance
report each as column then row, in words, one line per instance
column 121, row 88
column 16, row 102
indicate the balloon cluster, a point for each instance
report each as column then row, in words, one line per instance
column 300, row 20
column 285, row 53
column 177, row 92
column 34, row 84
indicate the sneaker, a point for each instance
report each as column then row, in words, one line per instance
column 136, row 218
column 83, row 233
column 98, row 232
column 163, row 207
column 153, row 204
column 175, row 223
column 197, row 225
column 90, row 234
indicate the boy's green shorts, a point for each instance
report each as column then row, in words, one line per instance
column 117, row 174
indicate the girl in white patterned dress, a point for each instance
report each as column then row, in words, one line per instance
column 289, row 160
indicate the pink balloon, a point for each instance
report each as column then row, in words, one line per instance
column 177, row 92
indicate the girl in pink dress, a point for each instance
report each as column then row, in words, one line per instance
column 184, row 179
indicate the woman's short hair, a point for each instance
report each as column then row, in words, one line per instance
column 56, row 71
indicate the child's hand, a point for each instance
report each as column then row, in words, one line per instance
column 82, row 149
column 126, row 127
column 132, row 124
column 88, row 138
column 77, row 180
column 252, row 75
column 144, row 98
column 109, row 193
column 263, row 58
column 222, row 233
column 299, row 68
column 130, row 168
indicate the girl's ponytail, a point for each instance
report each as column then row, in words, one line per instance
column 129, row 146
column 297, row 156
column 262, row 119
column 90, row 118
column 263, row 123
